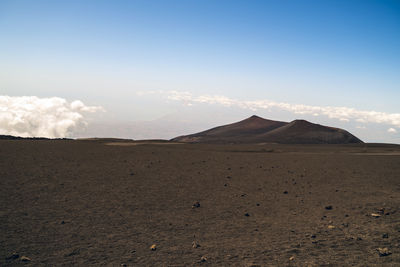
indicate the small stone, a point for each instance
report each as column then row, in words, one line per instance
column 385, row 235
column 123, row 265
column 375, row 215
column 203, row 259
column 313, row 236
column 383, row 252
column 291, row 258
column 62, row 222
column 153, row 247
column 258, row 204
column 195, row 244
column 285, row 192
column 14, row 256
column 25, row 258
column 328, row 207
column 196, row 205
column 331, row 227
column 247, row 214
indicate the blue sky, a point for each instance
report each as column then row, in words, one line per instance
column 315, row 53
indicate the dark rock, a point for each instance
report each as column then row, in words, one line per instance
column 328, row 207
column 196, row 205
column 285, row 192
column 73, row 253
column 14, row 256
column 385, row 235
column 247, row 214
column 383, row 252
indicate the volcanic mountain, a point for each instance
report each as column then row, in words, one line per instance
column 259, row 130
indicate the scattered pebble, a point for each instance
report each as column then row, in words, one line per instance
column 14, row 256
column 291, row 258
column 375, row 215
column 383, row 252
column 25, row 258
column 153, row 247
column 196, row 205
column 331, row 227
column 385, row 235
column 203, row 259
column 285, row 192
column 328, row 207
column 247, row 214
column 195, row 244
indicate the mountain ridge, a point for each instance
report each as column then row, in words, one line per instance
column 259, row 130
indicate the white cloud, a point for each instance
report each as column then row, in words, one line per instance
column 345, row 114
column 392, row 130
column 41, row 117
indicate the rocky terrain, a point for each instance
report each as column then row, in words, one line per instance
column 91, row 203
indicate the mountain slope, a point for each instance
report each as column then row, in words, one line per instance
column 259, row 130
column 238, row 132
column 304, row 132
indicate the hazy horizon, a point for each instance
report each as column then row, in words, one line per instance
column 159, row 69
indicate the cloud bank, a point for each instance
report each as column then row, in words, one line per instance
column 31, row 116
column 340, row 113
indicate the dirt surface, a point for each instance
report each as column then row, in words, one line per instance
column 87, row 203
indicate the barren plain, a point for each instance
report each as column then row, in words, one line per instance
column 68, row 202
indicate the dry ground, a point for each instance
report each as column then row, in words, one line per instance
column 87, row 203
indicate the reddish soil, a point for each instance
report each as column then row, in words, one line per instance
column 87, row 203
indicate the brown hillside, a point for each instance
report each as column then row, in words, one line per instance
column 259, row 130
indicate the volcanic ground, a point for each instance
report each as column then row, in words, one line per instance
column 68, row 202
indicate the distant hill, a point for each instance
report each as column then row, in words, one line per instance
column 259, row 130
column 11, row 137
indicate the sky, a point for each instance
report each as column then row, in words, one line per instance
column 158, row 69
